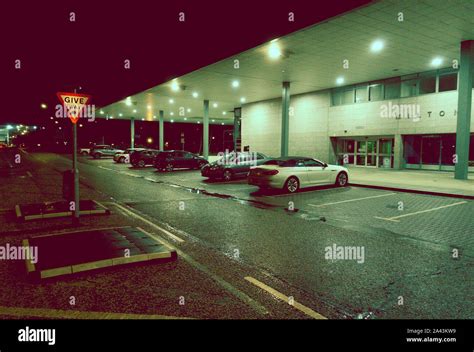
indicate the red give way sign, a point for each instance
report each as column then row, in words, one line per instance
column 73, row 104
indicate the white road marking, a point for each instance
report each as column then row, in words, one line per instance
column 281, row 296
column 29, row 174
column 394, row 218
column 131, row 213
column 351, row 200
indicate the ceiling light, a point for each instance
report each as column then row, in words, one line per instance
column 154, row 116
column 101, row 112
column 134, row 111
column 120, row 115
column 172, row 121
column 174, row 86
column 189, row 110
column 185, row 119
column 274, row 51
column 143, row 119
column 377, row 46
column 171, row 101
column 111, row 117
column 215, row 105
column 340, row 80
column 148, row 107
column 436, row 62
column 195, row 94
column 213, row 120
column 128, row 101
column 44, row 106
column 235, row 84
column 224, row 113
column 171, row 113
column 242, row 100
column 222, row 123
column 199, row 121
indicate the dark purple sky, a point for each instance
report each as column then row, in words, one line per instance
column 57, row 55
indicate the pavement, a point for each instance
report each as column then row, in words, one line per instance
column 441, row 182
column 244, row 254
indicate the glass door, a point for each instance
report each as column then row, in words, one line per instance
column 385, row 153
column 361, row 153
column 371, row 153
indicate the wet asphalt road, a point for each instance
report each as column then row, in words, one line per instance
column 407, row 271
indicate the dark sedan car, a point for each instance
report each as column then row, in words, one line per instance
column 233, row 165
column 142, row 158
column 178, row 159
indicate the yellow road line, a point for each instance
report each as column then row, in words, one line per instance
column 75, row 314
column 352, row 200
column 281, row 296
column 394, row 218
column 174, row 237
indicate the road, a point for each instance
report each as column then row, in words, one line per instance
column 407, row 244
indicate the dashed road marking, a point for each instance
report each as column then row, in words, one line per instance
column 281, row 296
column 352, row 200
column 131, row 213
column 395, row 218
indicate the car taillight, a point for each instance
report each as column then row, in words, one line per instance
column 270, row 172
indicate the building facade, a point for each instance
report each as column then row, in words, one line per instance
column 405, row 122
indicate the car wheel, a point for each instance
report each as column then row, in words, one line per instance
column 342, row 179
column 169, row 167
column 141, row 163
column 292, row 184
column 84, row 153
column 97, row 156
column 201, row 164
column 227, row 175
column 122, row 160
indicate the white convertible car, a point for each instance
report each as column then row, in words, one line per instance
column 293, row 172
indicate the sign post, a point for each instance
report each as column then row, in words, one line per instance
column 73, row 104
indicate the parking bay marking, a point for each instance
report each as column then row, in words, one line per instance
column 351, row 200
column 281, row 296
column 395, row 218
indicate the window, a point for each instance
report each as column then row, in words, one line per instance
column 412, row 149
column 392, row 88
column 448, row 82
column 361, row 93
column 343, row 96
column 376, row 92
column 312, row 163
column 428, row 84
column 409, row 87
column 448, row 149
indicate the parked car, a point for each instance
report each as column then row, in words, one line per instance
column 123, row 157
column 233, row 165
column 142, row 158
column 178, row 159
column 293, row 173
column 99, row 151
column 84, row 151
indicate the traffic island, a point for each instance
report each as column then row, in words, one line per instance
column 60, row 209
column 75, row 252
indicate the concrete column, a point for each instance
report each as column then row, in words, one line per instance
column 132, row 132
column 205, row 130
column 162, row 131
column 285, row 112
column 463, row 126
column 398, row 158
column 237, row 115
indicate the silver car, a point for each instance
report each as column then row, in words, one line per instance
column 293, row 173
